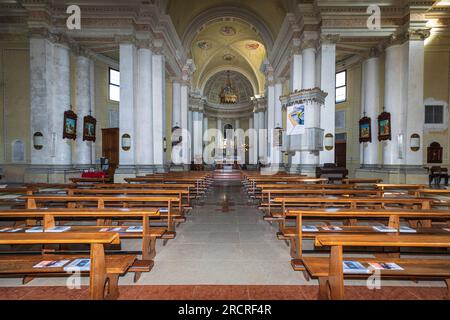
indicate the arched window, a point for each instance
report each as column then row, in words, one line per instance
column 18, row 151
column 434, row 153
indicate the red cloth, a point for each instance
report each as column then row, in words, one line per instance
column 93, row 175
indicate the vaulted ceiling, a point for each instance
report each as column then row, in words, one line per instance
column 272, row 12
column 228, row 45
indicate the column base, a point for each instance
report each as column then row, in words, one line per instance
column 394, row 173
column 124, row 171
column 50, row 173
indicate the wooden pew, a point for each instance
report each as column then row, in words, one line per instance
column 104, row 270
column 99, row 202
column 180, row 193
column 48, row 219
column 360, row 181
column 330, row 273
column 90, row 180
column 269, row 195
column 296, row 234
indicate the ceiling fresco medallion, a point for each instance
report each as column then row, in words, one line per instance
column 252, row 46
column 228, row 57
column 228, row 31
column 204, row 45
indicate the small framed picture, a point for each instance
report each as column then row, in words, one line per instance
column 384, row 126
column 365, row 130
column 89, row 125
column 70, row 125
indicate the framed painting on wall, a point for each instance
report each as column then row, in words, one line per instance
column 365, row 130
column 384, row 126
column 89, row 124
column 70, row 125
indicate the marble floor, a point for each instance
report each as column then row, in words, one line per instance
column 224, row 242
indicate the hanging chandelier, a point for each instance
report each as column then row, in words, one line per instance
column 228, row 94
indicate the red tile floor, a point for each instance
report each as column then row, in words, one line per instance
column 224, row 292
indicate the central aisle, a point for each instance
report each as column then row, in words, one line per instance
column 216, row 247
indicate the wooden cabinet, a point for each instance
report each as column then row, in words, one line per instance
column 110, row 148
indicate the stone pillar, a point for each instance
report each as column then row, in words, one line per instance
column 262, row 137
column 278, row 123
column 197, row 115
column 252, row 142
column 144, row 113
column 328, row 84
column 219, row 140
column 82, row 155
column 370, row 106
column 184, row 122
column 415, row 52
column 205, row 138
column 159, row 112
column 295, row 84
column 50, row 98
column 93, row 112
column 190, row 142
column 62, row 147
column 312, row 113
column 128, row 85
column 393, row 99
column 270, row 123
column 176, row 104
column 256, row 136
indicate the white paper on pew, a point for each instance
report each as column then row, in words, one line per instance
column 384, row 229
column 35, row 230
column 309, row 229
column 163, row 210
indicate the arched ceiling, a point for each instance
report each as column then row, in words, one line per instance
column 272, row 12
column 228, row 45
column 239, row 83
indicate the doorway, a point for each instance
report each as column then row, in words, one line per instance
column 340, row 150
column 110, row 148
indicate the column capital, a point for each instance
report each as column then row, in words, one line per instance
column 144, row 44
column 329, row 39
column 259, row 105
column 308, row 44
column 296, row 47
column 158, row 46
column 125, row 39
column 407, row 35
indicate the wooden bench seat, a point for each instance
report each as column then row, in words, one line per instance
column 421, row 219
column 104, row 271
column 49, row 218
column 331, row 275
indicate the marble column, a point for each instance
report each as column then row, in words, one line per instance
column 393, row 99
column 41, row 84
column 252, row 142
column 82, row 155
column 143, row 116
column 128, row 85
column 370, row 106
column 205, row 139
column 219, row 140
column 262, row 137
column 198, row 133
column 415, row 51
column 312, row 114
column 176, row 104
column 184, row 122
column 295, row 84
column 327, row 83
column 190, row 143
column 159, row 112
column 278, row 123
column 270, row 123
column 93, row 111
column 50, row 98
column 256, row 128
